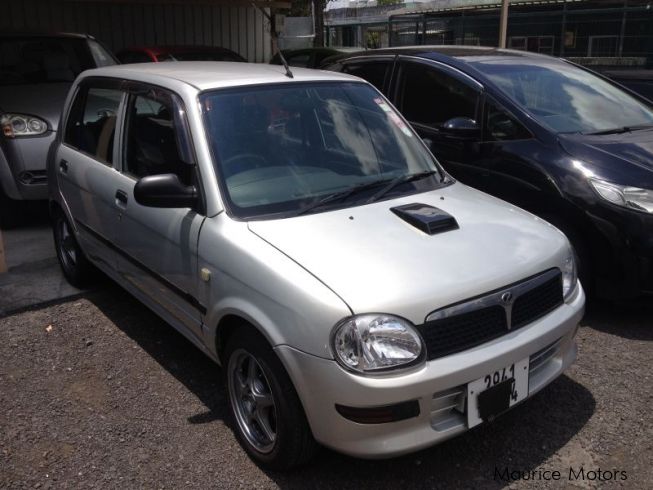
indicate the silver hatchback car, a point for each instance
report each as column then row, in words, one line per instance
column 299, row 233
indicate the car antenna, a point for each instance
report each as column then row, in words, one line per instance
column 275, row 39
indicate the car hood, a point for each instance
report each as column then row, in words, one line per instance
column 630, row 154
column 377, row 262
column 43, row 100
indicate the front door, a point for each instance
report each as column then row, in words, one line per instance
column 158, row 246
column 428, row 96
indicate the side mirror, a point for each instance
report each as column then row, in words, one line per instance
column 164, row 191
column 461, row 127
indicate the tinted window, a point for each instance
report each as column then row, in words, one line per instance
column 100, row 55
column 567, row 98
column 91, row 125
column 501, row 126
column 134, row 57
column 429, row 96
column 374, row 72
column 279, row 148
column 300, row 60
column 152, row 143
column 44, row 59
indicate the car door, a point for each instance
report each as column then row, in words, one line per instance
column 158, row 246
column 429, row 94
column 84, row 165
column 509, row 152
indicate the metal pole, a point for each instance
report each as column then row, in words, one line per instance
column 503, row 23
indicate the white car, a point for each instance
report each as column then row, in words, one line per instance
column 299, row 232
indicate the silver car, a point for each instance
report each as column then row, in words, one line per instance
column 36, row 73
column 299, row 233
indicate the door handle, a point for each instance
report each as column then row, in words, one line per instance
column 63, row 166
column 121, row 198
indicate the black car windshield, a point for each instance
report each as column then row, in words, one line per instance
column 566, row 98
column 291, row 148
column 26, row 60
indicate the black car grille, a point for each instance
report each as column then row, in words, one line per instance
column 537, row 302
column 487, row 317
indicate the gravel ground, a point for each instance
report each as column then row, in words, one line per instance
column 99, row 392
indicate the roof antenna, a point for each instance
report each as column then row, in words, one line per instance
column 275, row 40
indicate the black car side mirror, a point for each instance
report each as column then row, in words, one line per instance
column 460, row 128
column 164, row 191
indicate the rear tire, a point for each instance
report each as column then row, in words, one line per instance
column 78, row 271
column 268, row 417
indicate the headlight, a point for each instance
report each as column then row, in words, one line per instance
column 625, row 196
column 16, row 125
column 569, row 276
column 377, row 342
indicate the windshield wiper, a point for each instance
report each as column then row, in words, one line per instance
column 624, row 129
column 341, row 195
column 402, row 179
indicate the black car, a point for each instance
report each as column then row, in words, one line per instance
column 556, row 139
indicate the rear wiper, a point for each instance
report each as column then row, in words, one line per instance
column 340, row 195
column 402, row 179
column 624, row 129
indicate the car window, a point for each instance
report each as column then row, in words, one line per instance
column 299, row 60
column 152, row 141
column 429, row 96
column 373, row 71
column 43, row 59
column 134, row 57
column 277, row 148
column 501, row 126
column 91, row 124
column 100, row 55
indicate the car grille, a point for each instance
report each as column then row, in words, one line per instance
column 465, row 325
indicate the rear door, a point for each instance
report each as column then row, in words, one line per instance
column 85, row 165
column 375, row 70
column 158, row 246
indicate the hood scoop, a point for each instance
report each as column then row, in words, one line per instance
column 426, row 218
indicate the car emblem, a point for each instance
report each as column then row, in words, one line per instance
column 506, row 298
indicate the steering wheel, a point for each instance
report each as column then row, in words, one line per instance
column 242, row 162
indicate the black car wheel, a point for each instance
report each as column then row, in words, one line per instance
column 74, row 264
column 269, row 418
column 9, row 212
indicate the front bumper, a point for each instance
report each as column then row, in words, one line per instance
column 23, row 166
column 439, row 386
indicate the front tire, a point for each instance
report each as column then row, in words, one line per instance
column 268, row 416
column 74, row 264
column 9, row 212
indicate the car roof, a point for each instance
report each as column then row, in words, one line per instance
column 207, row 75
column 156, row 50
column 460, row 53
column 20, row 34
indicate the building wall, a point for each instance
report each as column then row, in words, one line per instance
column 123, row 24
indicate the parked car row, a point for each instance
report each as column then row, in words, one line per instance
column 300, row 229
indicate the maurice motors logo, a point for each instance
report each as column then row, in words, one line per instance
column 572, row 474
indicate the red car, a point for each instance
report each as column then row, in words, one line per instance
column 146, row 54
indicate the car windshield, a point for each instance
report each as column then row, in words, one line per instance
column 48, row 59
column 566, row 98
column 285, row 149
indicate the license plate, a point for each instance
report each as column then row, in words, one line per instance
column 496, row 392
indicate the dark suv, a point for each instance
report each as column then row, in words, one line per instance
column 556, row 139
column 36, row 72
